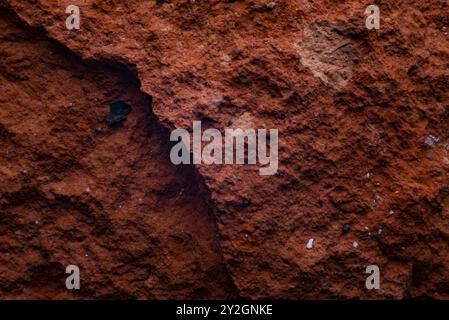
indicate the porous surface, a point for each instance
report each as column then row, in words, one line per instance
column 363, row 142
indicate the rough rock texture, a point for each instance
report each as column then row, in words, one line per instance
column 362, row 117
column 75, row 191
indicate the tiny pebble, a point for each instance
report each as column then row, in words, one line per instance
column 355, row 245
column 309, row 244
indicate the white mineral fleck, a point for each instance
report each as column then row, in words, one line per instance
column 309, row 244
column 431, row 140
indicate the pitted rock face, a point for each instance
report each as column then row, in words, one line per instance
column 353, row 108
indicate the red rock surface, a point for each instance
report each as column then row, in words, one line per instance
column 362, row 118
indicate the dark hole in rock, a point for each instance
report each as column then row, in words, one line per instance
column 346, row 228
column 118, row 111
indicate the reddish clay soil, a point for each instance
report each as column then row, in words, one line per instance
column 363, row 132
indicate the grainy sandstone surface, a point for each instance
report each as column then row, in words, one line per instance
column 363, row 132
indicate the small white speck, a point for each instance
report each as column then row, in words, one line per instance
column 271, row 5
column 391, row 212
column 309, row 244
column 379, row 232
column 431, row 140
column 355, row 245
column 369, row 175
column 86, row 255
column 36, row 222
column 88, row 190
